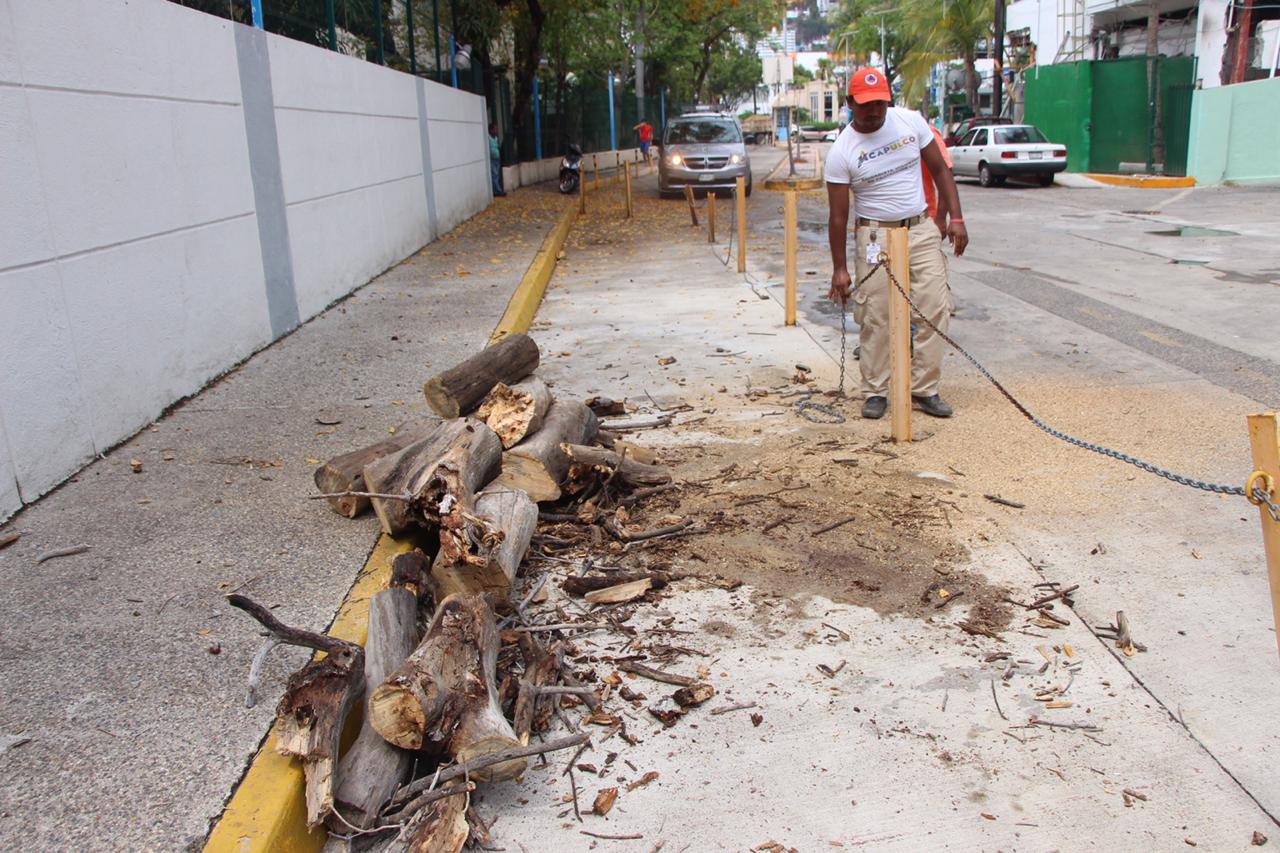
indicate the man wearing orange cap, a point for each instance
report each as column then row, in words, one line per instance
column 879, row 157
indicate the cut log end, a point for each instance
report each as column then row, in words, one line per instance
column 439, row 398
column 529, row 475
column 396, row 713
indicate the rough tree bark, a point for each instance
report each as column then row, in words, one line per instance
column 457, row 459
column 585, row 461
column 538, row 465
column 482, row 555
column 445, row 692
column 345, row 473
column 460, row 388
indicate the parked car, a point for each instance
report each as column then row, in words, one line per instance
column 703, row 150
column 830, row 135
column 962, row 128
column 992, row 154
column 809, row 133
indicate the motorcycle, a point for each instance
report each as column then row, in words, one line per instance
column 571, row 169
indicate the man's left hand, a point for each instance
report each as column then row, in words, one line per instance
column 957, row 236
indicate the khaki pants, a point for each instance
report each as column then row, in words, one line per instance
column 929, row 291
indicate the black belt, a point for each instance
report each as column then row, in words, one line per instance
column 894, row 223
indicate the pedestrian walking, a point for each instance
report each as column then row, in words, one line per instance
column 495, row 161
column 646, row 138
column 879, row 158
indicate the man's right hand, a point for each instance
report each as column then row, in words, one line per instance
column 840, row 284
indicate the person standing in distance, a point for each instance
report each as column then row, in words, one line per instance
column 495, row 160
column 879, row 158
column 646, row 138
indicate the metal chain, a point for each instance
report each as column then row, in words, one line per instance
column 827, row 413
column 1259, row 496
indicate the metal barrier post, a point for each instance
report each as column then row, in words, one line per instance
column 899, row 335
column 740, row 199
column 790, row 248
column 628, row 191
column 711, row 216
column 1264, row 436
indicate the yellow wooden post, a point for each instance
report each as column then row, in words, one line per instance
column 740, row 200
column 628, row 192
column 790, row 248
column 899, row 335
column 617, row 165
column 1264, row 435
column 688, row 196
column 711, row 216
column 582, row 194
column 595, row 167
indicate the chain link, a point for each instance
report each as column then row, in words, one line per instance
column 1259, row 495
column 828, row 414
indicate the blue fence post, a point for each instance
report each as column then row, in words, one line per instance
column 333, row 25
column 662, row 108
column 256, row 7
column 413, row 53
column 453, row 62
column 613, row 131
column 537, row 123
column 435, row 22
column 382, row 59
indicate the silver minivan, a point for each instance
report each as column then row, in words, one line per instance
column 702, row 150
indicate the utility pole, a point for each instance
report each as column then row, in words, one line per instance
column 1155, row 151
column 997, row 79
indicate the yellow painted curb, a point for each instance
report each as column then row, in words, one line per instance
column 1151, row 182
column 267, row 813
column 528, row 295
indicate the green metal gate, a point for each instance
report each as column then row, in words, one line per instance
column 1177, row 128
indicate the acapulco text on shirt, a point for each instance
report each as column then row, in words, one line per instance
column 864, row 156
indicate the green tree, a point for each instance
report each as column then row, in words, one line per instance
column 941, row 33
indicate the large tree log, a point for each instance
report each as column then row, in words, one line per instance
column 461, row 455
column 345, row 473
column 372, row 769
column 538, row 465
column 315, row 704
column 441, row 827
column 460, row 388
column 483, row 555
column 516, row 411
column 446, row 692
column 587, row 462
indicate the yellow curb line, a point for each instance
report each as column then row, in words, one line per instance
column 268, row 812
column 528, row 294
column 1151, row 182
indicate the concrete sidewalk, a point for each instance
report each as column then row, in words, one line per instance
column 916, row 743
column 122, row 721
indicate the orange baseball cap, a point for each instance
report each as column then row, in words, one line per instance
column 869, row 84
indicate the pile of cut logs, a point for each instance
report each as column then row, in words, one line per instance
column 443, row 689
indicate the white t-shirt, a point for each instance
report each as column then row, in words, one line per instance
column 883, row 168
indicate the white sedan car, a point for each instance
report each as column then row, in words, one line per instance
column 992, row 154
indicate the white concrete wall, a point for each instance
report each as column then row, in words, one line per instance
column 133, row 264
column 1211, row 41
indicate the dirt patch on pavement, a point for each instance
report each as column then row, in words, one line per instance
column 787, row 519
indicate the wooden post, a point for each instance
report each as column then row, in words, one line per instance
column 711, row 216
column 628, row 191
column 1264, row 435
column 688, row 196
column 617, row 165
column 740, row 199
column 899, row 335
column 790, row 247
column 582, row 193
column 595, row 167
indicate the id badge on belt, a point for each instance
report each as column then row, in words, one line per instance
column 873, row 251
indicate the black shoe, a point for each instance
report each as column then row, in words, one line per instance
column 873, row 408
column 934, row 405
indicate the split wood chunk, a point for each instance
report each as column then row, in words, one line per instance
column 446, row 692
column 460, row 388
column 311, row 714
column 538, row 465
column 345, row 473
column 460, row 452
column 372, row 769
column 411, row 571
column 694, row 694
column 516, row 411
column 612, row 463
column 441, row 827
column 541, row 667
column 620, row 593
column 485, row 549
